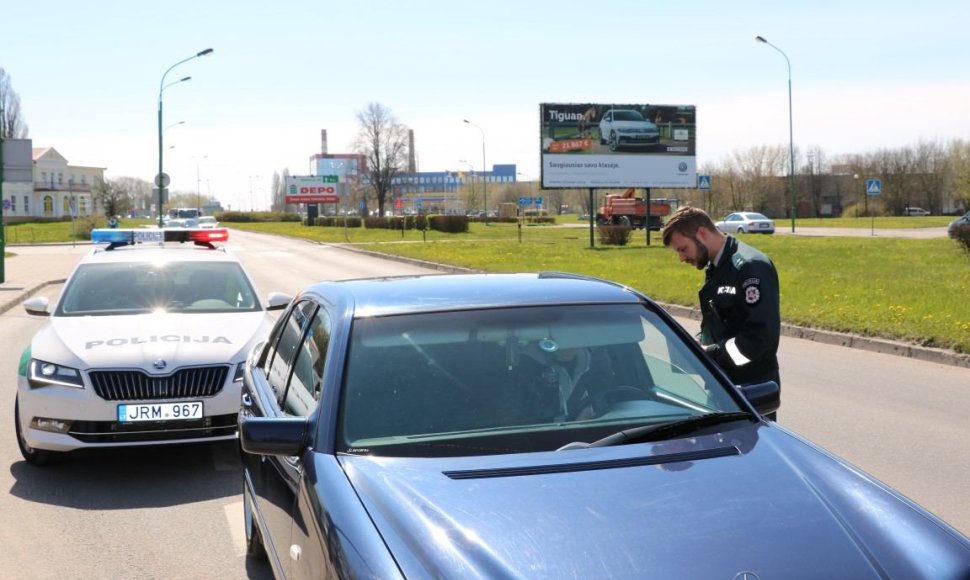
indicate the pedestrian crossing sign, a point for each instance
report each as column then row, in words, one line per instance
column 703, row 182
column 873, row 186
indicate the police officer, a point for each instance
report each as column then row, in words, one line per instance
column 740, row 314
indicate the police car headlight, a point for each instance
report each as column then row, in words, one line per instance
column 240, row 370
column 44, row 374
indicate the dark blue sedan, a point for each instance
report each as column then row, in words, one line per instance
column 542, row 426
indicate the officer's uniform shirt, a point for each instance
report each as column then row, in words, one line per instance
column 741, row 314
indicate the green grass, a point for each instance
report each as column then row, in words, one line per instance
column 894, row 222
column 905, row 289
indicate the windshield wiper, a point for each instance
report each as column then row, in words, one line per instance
column 669, row 430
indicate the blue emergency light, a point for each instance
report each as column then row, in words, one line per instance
column 124, row 237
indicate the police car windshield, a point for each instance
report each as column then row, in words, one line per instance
column 143, row 287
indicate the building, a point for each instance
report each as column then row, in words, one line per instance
column 60, row 189
column 39, row 183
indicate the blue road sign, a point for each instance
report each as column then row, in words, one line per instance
column 703, row 182
column 538, row 200
column 873, row 187
column 525, row 200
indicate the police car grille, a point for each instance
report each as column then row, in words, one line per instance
column 136, row 385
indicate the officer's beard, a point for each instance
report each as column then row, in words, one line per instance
column 703, row 256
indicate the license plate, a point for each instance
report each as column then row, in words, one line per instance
column 160, row 412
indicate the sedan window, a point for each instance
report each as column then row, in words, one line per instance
column 491, row 381
column 304, row 389
column 290, row 330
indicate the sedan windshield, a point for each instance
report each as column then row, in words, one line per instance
column 140, row 287
column 517, row 380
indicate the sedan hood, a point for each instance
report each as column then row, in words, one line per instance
column 92, row 342
column 758, row 499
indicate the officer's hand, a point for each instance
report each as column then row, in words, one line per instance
column 719, row 355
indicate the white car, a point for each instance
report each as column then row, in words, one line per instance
column 917, row 211
column 208, row 222
column 746, row 222
column 627, row 128
column 144, row 346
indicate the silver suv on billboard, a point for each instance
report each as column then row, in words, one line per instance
column 627, row 128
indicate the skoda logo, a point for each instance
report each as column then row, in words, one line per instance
column 746, row 576
column 683, row 167
column 159, row 364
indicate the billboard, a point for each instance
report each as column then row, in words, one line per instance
column 314, row 189
column 616, row 145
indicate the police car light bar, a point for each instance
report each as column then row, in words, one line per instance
column 124, row 237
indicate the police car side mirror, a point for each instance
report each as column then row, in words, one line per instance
column 37, row 306
column 278, row 301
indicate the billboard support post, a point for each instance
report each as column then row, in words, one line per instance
column 647, row 224
column 592, row 216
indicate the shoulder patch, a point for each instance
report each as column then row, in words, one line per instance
column 752, row 294
column 751, row 282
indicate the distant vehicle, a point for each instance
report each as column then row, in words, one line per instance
column 627, row 128
column 207, row 222
column 541, row 426
column 960, row 222
column 917, row 211
column 145, row 346
column 623, row 209
column 746, row 222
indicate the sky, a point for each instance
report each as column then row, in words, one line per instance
column 865, row 75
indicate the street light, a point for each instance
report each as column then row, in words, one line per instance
column 159, row 179
column 198, row 182
column 252, row 205
column 791, row 140
column 471, row 170
column 484, row 181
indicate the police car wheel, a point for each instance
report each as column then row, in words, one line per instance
column 31, row 455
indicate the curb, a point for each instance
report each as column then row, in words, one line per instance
column 877, row 345
column 25, row 294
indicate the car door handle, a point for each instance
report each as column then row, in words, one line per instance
column 247, row 401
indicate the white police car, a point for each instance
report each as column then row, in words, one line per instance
column 144, row 346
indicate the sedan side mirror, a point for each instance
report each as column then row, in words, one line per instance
column 273, row 436
column 766, row 397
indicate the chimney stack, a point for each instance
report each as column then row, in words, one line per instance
column 323, row 141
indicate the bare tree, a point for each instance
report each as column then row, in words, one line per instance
column 139, row 193
column 113, row 197
column 959, row 153
column 815, row 172
column 12, row 125
column 383, row 141
column 931, row 166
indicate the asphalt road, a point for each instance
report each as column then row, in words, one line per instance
column 177, row 512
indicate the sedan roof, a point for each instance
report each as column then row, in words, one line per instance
column 411, row 294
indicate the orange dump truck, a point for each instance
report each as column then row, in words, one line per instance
column 627, row 210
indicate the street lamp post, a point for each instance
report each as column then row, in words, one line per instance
column 252, row 205
column 198, row 183
column 160, row 180
column 791, row 140
column 484, row 181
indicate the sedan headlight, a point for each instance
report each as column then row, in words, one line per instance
column 44, row 374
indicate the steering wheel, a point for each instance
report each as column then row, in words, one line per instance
column 606, row 398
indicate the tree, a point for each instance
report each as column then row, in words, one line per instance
column 112, row 196
column 383, row 141
column 12, row 125
column 139, row 192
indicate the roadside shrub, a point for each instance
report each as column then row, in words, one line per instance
column 377, row 223
column 961, row 234
column 257, row 216
column 449, row 224
column 84, row 225
column 614, row 235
